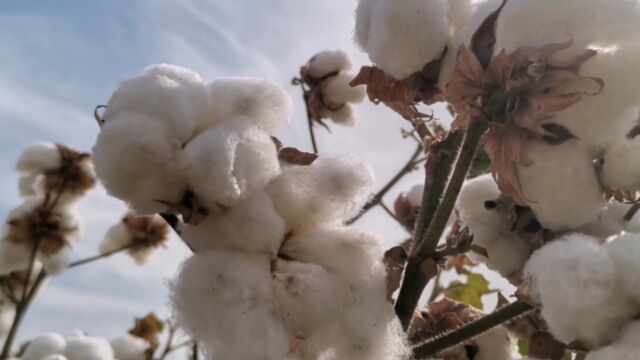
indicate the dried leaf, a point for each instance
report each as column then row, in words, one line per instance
column 484, row 38
column 296, row 157
column 394, row 263
column 542, row 345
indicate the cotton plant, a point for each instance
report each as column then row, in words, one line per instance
column 141, row 236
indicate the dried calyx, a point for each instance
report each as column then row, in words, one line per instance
column 74, row 173
column 43, row 227
column 149, row 329
column 146, row 232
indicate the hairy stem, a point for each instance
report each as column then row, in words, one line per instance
column 471, row 330
column 377, row 198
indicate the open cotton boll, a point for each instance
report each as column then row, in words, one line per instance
column 611, row 221
column 26, row 185
column 577, row 284
column 172, row 95
column 56, row 263
column 128, row 347
column 224, row 300
column 621, row 168
column 364, row 13
column 261, row 101
column 55, row 357
column 460, row 11
column 625, row 347
column 560, row 184
column 403, row 36
column 345, row 115
column 88, row 347
column 44, row 345
column 38, row 158
column 328, row 62
column 337, row 91
column 117, row 237
column 13, row 257
column 251, row 225
column 228, row 163
column 135, row 157
column 329, row 191
column 624, row 252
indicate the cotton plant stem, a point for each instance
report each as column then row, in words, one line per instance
column 377, row 198
column 98, row 257
column 312, row 134
column 435, row 215
column 471, row 330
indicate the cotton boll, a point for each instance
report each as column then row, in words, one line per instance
column 576, row 282
column 55, row 264
column 117, row 237
column 26, row 185
column 611, row 221
column 87, row 347
column 625, row 347
column 38, row 158
column 136, row 157
column 224, row 299
column 404, row 36
column 55, row 357
column 172, row 95
column 624, row 252
column 261, row 101
column 495, row 344
column 328, row 62
column 128, row 347
column 13, row 257
column 44, row 345
column 228, row 163
column 560, row 184
column 364, row 12
column 345, row 115
column 329, row 191
column 621, row 168
column 251, row 225
column 460, row 11
column 337, row 91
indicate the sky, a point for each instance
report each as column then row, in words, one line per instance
column 60, row 59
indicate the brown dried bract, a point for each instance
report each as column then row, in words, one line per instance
column 74, row 174
column 146, row 231
column 148, row 328
column 43, row 227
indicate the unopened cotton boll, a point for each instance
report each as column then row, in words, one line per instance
column 329, row 191
column 402, row 37
column 560, row 184
column 128, row 347
column 621, row 168
column 577, row 283
column 261, row 101
column 169, row 94
column 624, row 252
column 225, row 300
column 136, row 158
column 39, row 158
column 251, row 225
column 337, row 91
column 45, row 345
column 329, row 62
column 228, row 163
column 87, row 347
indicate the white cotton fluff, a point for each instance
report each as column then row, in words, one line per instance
column 336, row 90
column 560, row 184
column 224, row 299
column 56, row 357
column 26, row 185
column 117, row 237
column 136, row 158
column 460, row 11
column 491, row 229
column 624, row 252
column 329, row 62
column 128, row 347
column 56, row 263
column 44, row 345
column 87, row 347
column 262, row 102
column 13, row 257
column 621, row 168
column 68, row 196
column 169, row 94
column 251, row 225
column 345, row 115
column 228, row 163
column 38, row 158
column 578, row 285
column 414, row 195
column 7, row 314
column 329, row 191
column 625, row 347
column 495, row 344
column 611, row 221
column 402, row 37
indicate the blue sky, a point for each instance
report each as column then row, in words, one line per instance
column 60, row 59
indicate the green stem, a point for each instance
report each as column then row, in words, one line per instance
column 471, row 330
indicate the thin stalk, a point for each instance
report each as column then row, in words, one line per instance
column 99, row 256
column 312, row 134
column 471, row 330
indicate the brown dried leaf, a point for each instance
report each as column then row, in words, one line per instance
column 394, row 262
column 296, row 157
column 484, row 38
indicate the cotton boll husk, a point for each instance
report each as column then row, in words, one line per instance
column 135, row 157
column 251, row 225
column 117, row 236
column 560, row 184
column 404, row 36
column 87, row 347
column 38, row 158
column 329, row 191
column 128, row 347
column 43, row 345
column 260, row 101
column 625, row 255
column 328, row 61
column 345, row 115
column 621, row 168
column 337, row 91
column 26, row 185
column 173, row 95
column 228, row 163
column 577, row 284
column 224, row 299
column 491, row 229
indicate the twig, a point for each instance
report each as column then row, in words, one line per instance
column 391, row 214
column 471, row 330
column 169, row 347
column 436, row 214
column 312, row 135
column 99, row 256
column 195, row 352
column 377, row 198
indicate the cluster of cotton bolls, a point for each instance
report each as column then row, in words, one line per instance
column 140, row 235
column 328, row 74
column 79, row 346
column 274, row 275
